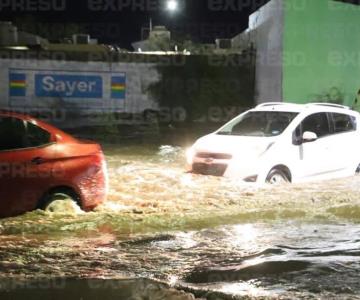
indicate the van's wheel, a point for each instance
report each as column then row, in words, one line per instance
column 61, row 201
column 277, row 176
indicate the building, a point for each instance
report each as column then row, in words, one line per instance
column 159, row 40
column 80, row 83
column 12, row 37
column 306, row 50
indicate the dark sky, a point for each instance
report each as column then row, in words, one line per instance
column 120, row 21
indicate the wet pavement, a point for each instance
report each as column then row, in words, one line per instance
column 212, row 237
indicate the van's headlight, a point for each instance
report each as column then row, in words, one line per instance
column 189, row 153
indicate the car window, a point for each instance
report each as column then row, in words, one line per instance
column 343, row 123
column 259, row 123
column 12, row 133
column 36, row 136
column 317, row 123
column 18, row 134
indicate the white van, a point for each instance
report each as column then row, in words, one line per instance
column 282, row 142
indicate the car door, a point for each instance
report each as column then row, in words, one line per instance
column 345, row 142
column 313, row 159
column 26, row 162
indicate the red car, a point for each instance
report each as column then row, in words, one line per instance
column 40, row 164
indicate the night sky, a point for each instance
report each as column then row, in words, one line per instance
column 120, row 21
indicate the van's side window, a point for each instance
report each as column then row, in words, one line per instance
column 317, row 123
column 343, row 123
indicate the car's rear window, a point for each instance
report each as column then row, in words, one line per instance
column 12, row 133
column 36, row 136
column 18, row 134
column 343, row 123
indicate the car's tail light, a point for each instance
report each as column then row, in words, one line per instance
column 99, row 167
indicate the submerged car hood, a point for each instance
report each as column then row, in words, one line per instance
column 234, row 145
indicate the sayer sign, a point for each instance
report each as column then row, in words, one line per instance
column 68, row 86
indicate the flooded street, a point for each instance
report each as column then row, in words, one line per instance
column 166, row 234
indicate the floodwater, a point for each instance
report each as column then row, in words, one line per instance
column 166, row 234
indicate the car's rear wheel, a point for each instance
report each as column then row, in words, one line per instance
column 62, row 201
column 277, row 176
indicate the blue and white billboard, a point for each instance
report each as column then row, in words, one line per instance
column 80, row 87
column 68, row 86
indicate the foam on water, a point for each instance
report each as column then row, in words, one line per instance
column 150, row 189
column 212, row 236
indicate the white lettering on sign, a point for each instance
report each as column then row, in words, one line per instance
column 66, row 86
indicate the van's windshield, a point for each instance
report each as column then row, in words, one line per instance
column 259, row 123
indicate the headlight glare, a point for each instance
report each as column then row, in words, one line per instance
column 189, row 153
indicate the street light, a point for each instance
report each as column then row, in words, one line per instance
column 172, row 5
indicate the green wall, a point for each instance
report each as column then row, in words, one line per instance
column 321, row 44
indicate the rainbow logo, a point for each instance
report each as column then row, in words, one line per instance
column 17, row 84
column 118, row 87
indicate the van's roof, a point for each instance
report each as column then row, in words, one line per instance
column 313, row 107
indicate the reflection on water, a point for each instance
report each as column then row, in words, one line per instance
column 214, row 237
column 291, row 259
column 282, row 259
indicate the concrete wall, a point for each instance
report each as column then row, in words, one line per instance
column 136, row 99
column 322, row 47
column 266, row 32
column 80, row 83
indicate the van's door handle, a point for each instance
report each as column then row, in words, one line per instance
column 37, row 161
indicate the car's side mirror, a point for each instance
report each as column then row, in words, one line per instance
column 309, row 136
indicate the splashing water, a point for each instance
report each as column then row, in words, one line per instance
column 211, row 236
